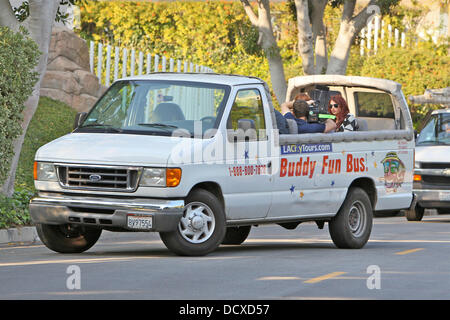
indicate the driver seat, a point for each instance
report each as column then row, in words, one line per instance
column 168, row 112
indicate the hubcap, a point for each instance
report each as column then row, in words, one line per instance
column 357, row 218
column 198, row 223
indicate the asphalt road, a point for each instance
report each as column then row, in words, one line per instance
column 403, row 260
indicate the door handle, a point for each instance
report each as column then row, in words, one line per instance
column 269, row 167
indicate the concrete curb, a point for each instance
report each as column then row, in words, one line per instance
column 29, row 234
column 21, row 234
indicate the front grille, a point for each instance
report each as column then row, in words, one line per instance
column 441, row 180
column 434, row 165
column 98, row 177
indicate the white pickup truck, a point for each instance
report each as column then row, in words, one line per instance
column 198, row 158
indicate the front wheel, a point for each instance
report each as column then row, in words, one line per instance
column 415, row 214
column 68, row 238
column 352, row 225
column 201, row 228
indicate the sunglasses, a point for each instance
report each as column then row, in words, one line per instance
column 393, row 166
column 334, row 105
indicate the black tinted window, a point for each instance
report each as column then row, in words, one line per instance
column 374, row 104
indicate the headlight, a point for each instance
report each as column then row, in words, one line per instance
column 44, row 171
column 153, row 177
column 416, row 165
column 160, row 177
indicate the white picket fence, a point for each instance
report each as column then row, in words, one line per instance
column 379, row 34
column 129, row 62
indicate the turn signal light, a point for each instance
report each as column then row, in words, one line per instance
column 173, row 177
column 35, row 170
column 417, row 177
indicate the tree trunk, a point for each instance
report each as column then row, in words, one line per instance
column 350, row 26
column 39, row 24
column 341, row 51
column 305, row 37
column 319, row 35
column 269, row 44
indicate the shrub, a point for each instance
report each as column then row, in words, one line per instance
column 14, row 211
column 18, row 57
column 415, row 69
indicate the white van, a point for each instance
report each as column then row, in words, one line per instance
column 198, row 158
column 432, row 166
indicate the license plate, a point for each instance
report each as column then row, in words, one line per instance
column 141, row 222
column 444, row 196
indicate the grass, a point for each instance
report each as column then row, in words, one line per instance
column 51, row 120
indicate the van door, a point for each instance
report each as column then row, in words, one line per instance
column 296, row 191
column 248, row 187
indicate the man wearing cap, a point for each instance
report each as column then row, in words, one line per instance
column 299, row 113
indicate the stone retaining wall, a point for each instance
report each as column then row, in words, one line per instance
column 68, row 77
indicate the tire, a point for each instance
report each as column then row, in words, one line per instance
column 352, row 225
column 202, row 227
column 415, row 214
column 236, row 235
column 68, row 238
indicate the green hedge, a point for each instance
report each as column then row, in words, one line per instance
column 218, row 34
column 417, row 69
column 18, row 57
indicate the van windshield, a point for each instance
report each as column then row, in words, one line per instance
column 436, row 131
column 157, row 108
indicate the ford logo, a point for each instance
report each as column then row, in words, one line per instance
column 95, row 177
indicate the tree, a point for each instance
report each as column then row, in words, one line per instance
column 312, row 41
column 38, row 17
column 268, row 43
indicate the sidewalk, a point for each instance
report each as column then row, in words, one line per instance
column 23, row 234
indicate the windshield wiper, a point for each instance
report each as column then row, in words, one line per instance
column 161, row 126
column 157, row 125
column 438, row 143
column 100, row 125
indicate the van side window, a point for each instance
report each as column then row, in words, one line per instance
column 376, row 108
column 248, row 105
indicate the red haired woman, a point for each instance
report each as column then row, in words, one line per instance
column 345, row 121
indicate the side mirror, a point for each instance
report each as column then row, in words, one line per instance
column 79, row 118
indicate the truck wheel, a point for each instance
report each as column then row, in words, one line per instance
column 201, row 228
column 415, row 214
column 68, row 238
column 352, row 225
column 236, row 235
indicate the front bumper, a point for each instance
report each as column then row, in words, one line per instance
column 433, row 198
column 105, row 212
column 433, row 189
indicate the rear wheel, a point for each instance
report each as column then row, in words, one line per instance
column 352, row 225
column 68, row 238
column 236, row 235
column 415, row 214
column 201, row 228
